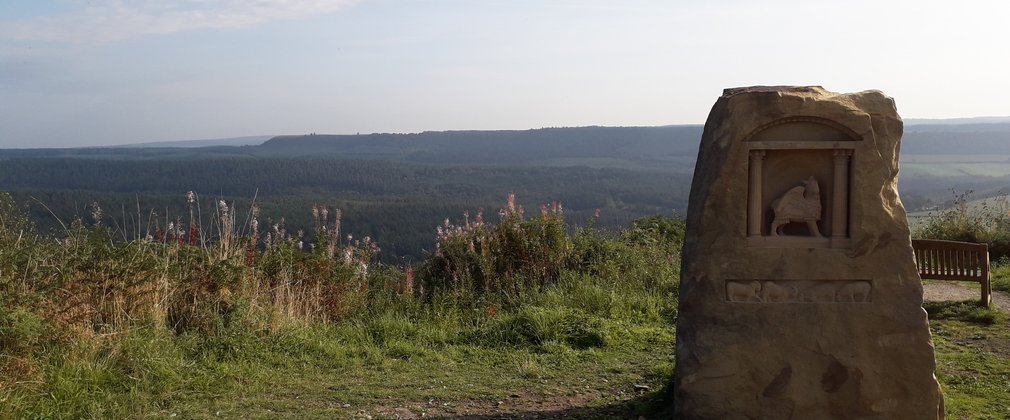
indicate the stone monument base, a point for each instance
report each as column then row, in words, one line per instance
column 799, row 296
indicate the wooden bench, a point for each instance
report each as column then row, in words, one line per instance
column 950, row 260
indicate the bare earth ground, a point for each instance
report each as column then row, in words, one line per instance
column 939, row 291
column 516, row 407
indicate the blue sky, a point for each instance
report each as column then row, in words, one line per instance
column 100, row 72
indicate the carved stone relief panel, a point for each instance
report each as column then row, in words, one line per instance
column 798, row 183
column 799, row 291
column 803, row 129
column 800, row 204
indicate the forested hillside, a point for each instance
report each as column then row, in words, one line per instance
column 397, row 188
column 669, row 148
column 398, row 204
column 633, row 147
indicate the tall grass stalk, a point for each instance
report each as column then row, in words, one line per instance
column 92, row 327
column 986, row 221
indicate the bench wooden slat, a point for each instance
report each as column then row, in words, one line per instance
column 948, row 277
column 986, row 283
column 920, row 258
column 951, row 260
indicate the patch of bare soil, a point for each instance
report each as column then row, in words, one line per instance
column 513, row 407
column 587, row 405
column 950, row 290
column 995, row 342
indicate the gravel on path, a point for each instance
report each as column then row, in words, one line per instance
column 938, row 291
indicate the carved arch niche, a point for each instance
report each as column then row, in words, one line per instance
column 801, row 167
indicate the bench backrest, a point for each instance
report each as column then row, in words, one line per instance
column 950, row 260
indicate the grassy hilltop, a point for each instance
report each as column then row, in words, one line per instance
column 511, row 315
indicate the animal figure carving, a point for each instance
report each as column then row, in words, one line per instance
column 854, row 292
column 821, row 293
column 800, row 204
column 743, row 292
column 771, row 292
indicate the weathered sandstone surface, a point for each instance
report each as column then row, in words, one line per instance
column 814, row 313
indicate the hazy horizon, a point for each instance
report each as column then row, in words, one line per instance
column 108, row 72
column 259, row 138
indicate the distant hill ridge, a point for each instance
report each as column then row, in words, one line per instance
column 228, row 141
column 658, row 148
column 396, row 187
column 659, row 143
column 522, row 147
column 957, row 121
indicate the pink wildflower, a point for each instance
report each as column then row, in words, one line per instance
column 408, row 285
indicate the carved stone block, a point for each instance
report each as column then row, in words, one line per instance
column 799, row 291
column 800, row 204
column 799, row 294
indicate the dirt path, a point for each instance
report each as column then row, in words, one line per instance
column 950, row 290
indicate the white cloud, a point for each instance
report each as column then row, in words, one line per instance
column 104, row 21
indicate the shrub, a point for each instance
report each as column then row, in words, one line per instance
column 537, row 326
column 1000, row 273
column 93, row 327
column 664, row 234
column 986, row 222
column 510, row 258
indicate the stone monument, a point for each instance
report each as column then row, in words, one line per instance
column 799, row 296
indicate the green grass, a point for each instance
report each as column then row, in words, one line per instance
column 510, row 316
column 1000, row 275
column 567, row 326
column 390, row 363
column 973, row 366
column 438, row 362
column 965, row 311
column 973, row 343
column 406, row 374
